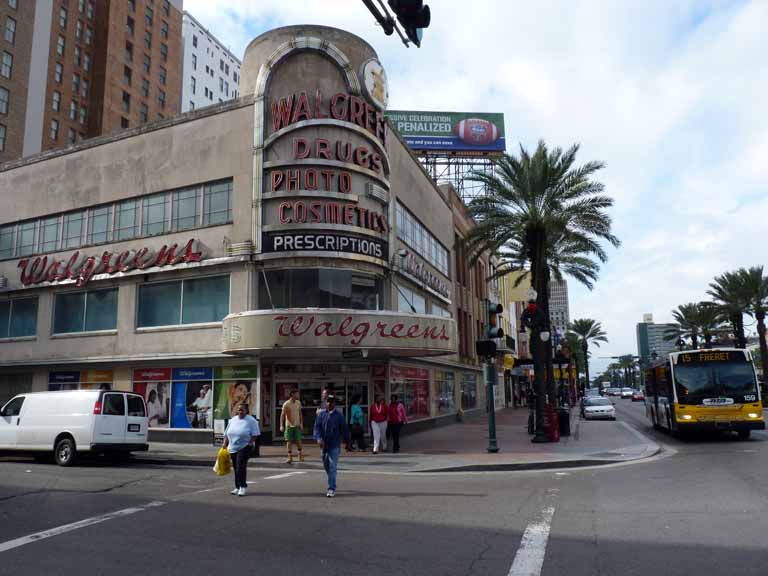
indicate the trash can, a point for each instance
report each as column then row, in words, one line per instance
column 564, row 421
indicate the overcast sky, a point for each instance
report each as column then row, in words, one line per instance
column 671, row 95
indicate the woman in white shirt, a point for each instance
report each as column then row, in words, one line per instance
column 239, row 440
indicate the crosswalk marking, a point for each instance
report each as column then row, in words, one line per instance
column 533, row 546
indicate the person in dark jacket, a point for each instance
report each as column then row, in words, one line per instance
column 330, row 430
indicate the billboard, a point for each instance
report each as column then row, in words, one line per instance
column 460, row 133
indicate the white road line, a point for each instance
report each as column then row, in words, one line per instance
column 533, row 547
column 37, row 536
column 286, row 475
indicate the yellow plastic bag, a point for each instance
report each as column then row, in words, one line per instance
column 223, row 465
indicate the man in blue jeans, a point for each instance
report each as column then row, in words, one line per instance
column 330, row 430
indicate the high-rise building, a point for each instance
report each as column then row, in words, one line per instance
column 74, row 69
column 211, row 73
column 652, row 338
column 559, row 316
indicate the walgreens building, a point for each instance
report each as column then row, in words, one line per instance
column 288, row 239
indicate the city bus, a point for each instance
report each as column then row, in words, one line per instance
column 700, row 390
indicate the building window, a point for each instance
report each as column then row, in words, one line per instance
column 145, row 87
column 58, row 73
column 154, row 214
column 75, row 84
column 81, row 6
column 132, row 6
column 6, row 232
column 413, row 233
column 166, row 8
column 54, row 129
column 194, row 62
column 226, row 70
column 99, row 224
column 148, row 40
column 13, row 4
column 72, row 135
column 26, row 239
column 18, row 318
column 49, row 234
column 446, row 391
column 143, row 113
column 88, row 36
column 62, row 18
column 78, row 53
column 191, row 106
column 186, row 209
column 164, row 30
column 320, row 288
column 194, row 84
column 74, row 226
column 7, row 67
column 217, row 203
column 468, row 391
column 10, row 30
column 127, row 75
column 127, row 220
column 410, row 301
column 5, row 96
column 85, row 88
column 164, row 52
column 126, row 102
column 149, row 15
column 221, row 85
column 163, row 75
column 128, row 52
column 124, row 122
column 161, row 98
column 194, row 40
column 194, row 301
column 89, row 10
column 56, row 103
column 83, row 115
column 78, row 30
column 85, row 311
column 441, row 311
column 130, row 26
column 147, row 65
column 226, row 88
column 234, row 77
column 73, row 110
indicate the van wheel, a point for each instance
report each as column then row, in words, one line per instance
column 65, row 453
column 744, row 434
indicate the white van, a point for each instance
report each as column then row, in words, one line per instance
column 74, row 421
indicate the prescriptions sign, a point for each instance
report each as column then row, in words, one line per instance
column 466, row 133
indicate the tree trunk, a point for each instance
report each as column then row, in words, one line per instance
column 535, row 239
column 760, row 317
column 585, row 350
column 551, row 384
column 694, row 341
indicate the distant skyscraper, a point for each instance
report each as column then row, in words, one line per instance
column 74, row 69
column 211, row 72
column 559, row 316
column 650, row 338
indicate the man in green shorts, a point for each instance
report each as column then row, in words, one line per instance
column 291, row 424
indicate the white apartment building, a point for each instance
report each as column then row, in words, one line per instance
column 558, row 305
column 211, row 73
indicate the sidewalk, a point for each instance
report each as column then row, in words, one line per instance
column 452, row 448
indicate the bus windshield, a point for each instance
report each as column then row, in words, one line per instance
column 696, row 381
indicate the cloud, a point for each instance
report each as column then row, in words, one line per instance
column 671, row 96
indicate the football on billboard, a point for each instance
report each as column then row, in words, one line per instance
column 476, row 132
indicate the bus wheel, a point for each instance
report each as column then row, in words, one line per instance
column 744, row 434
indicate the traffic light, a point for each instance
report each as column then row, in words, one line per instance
column 493, row 329
column 413, row 16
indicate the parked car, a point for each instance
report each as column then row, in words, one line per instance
column 638, row 396
column 613, row 391
column 592, row 392
column 626, row 392
column 72, row 422
column 598, row 408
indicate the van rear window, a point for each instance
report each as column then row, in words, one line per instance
column 135, row 406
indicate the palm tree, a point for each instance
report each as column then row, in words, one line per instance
column 532, row 204
column 755, row 290
column 573, row 343
column 688, row 324
column 728, row 292
column 628, row 364
column 710, row 322
column 589, row 332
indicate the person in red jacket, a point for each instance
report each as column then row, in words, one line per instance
column 379, row 416
column 396, row 418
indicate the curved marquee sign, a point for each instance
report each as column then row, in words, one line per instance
column 376, row 332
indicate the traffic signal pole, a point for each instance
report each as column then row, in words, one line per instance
column 490, row 375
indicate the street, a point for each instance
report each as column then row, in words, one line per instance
column 699, row 506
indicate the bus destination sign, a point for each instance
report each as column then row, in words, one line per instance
column 711, row 356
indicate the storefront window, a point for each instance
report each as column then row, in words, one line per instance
column 84, row 380
column 85, row 311
column 18, row 318
column 410, row 301
column 446, row 391
column 412, row 387
column 194, row 301
column 468, row 391
column 320, row 288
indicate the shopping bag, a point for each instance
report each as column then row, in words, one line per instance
column 223, row 465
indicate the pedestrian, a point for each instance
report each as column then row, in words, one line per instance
column 330, row 429
column 379, row 415
column 240, row 440
column 396, row 417
column 356, row 423
column 291, row 424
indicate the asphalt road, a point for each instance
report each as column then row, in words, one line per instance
column 699, row 507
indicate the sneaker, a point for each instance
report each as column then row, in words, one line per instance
column 289, row 460
column 301, row 456
column 241, row 492
column 235, row 492
column 331, row 493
